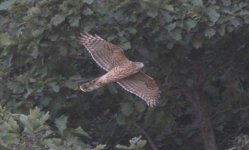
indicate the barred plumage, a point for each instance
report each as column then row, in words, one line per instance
column 119, row 69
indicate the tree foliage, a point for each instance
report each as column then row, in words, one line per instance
column 196, row 50
column 19, row 131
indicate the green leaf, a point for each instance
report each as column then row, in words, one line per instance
column 222, row 30
column 137, row 143
column 132, row 30
column 100, row 147
column 177, row 34
column 190, row 24
column 58, row 19
column 87, row 11
column 126, row 45
column 5, row 127
column 134, row 140
column 197, row 2
column 34, row 11
column 29, row 92
column 235, row 22
column 210, row 32
column 152, row 14
column 15, row 87
column 10, row 138
column 44, row 118
column 45, row 101
column 38, row 32
column 123, row 147
column 80, row 131
column 13, row 124
column 55, row 86
column 76, row 77
column 35, row 52
column 140, row 106
column 88, row 1
column 169, row 7
column 171, row 26
column 53, row 37
column 127, row 109
column 61, row 124
column 5, row 39
column 213, row 14
column 6, row 5
column 27, row 125
column 226, row 2
column 121, row 119
column 74, row 21
column 140, row 144
column 71, row 85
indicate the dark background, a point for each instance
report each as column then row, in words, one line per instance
column 196, row 50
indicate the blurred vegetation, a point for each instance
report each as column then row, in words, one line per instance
column 196, row 50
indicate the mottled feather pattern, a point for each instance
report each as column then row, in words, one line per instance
column 105, row 54
column 89, row 42
column 90, row 86
column 119, row 69
column 142, row 87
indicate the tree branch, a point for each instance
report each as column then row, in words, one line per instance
column 152, row 144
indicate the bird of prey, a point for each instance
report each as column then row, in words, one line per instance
column 119, row 69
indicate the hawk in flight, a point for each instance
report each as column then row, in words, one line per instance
column 119, row 69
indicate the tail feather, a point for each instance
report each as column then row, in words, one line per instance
column 91, row 85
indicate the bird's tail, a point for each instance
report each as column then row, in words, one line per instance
column 91, row 85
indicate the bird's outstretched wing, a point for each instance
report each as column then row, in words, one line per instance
column 105, row 54
column 143, row 86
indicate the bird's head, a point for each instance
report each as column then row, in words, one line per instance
column 139, row 65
